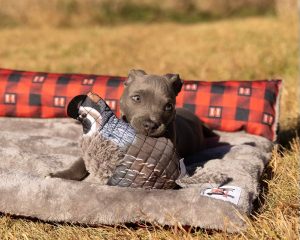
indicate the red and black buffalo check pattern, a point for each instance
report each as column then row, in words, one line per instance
column 226, row 106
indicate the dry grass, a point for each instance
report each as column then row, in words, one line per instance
column 66, row 13
column 254, row 48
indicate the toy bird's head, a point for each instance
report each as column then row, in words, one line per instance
column 91, row 111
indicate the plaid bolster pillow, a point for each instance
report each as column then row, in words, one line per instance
column 225, row 106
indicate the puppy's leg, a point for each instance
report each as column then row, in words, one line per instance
column 77, row 171
column 189, row 133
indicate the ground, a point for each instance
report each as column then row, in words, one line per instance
column 248, row 48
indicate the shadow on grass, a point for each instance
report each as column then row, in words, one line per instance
column 284, row 139
column 188, row 14
column 264, row 189
column 286, row 135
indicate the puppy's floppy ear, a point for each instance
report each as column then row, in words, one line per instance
column 175, row 81
column 133, row 73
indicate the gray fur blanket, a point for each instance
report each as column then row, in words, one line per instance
column 30, row 149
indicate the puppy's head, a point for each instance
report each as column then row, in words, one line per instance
column 148, row 101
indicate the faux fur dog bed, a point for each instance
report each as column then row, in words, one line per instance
column 30, row 149
column 221, row 182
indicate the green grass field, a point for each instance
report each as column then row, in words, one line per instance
column 249, row 48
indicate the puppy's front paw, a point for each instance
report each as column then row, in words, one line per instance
column 54, row 175
column 48, row 175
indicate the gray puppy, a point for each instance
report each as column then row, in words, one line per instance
column 148, row 104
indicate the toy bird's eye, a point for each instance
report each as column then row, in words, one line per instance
column 169, row 107
column 136, row 98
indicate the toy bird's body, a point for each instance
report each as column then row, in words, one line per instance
column 116, row 155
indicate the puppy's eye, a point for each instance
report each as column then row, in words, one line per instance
column 136, row 98
column 169, row 107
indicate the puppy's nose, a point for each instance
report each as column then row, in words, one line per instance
column 150, row 125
